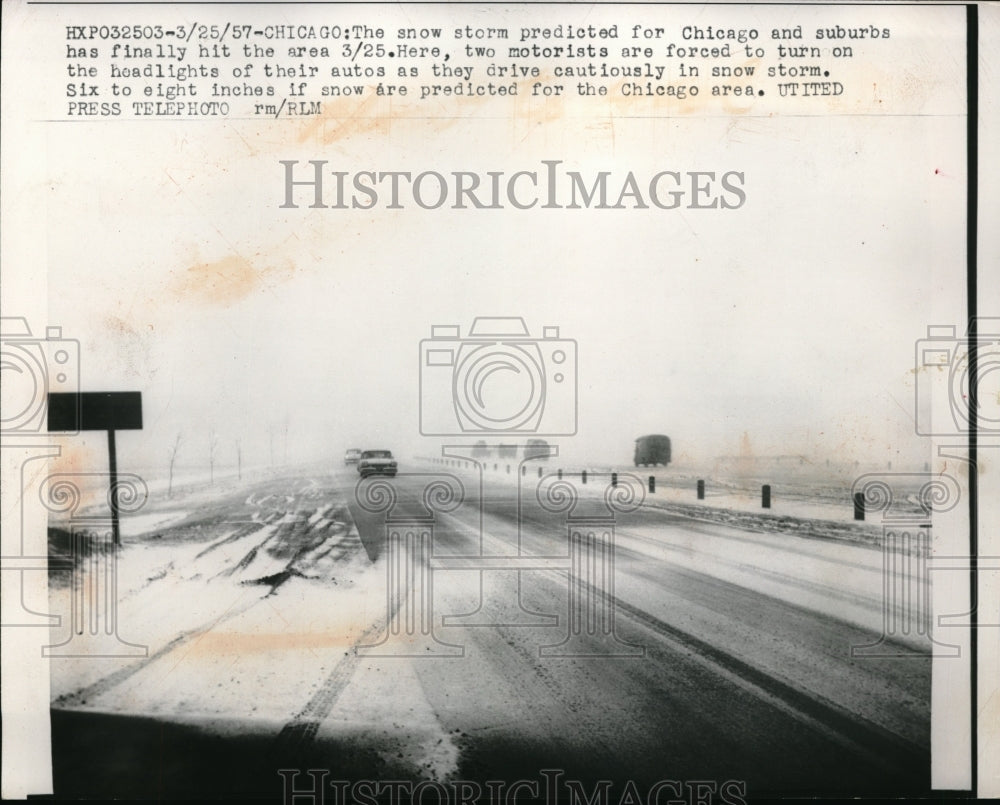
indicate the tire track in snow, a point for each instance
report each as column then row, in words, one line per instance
column 112, row 680
column 302, row 729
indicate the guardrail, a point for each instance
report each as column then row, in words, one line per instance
column 765, row 497
column 507, row 468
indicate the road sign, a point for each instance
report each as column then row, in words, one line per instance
column 95, row 410
column 98, row 410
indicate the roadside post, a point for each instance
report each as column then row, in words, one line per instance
column 99, row 410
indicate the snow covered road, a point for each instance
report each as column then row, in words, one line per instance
column 284, row 631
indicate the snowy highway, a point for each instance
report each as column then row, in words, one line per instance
column 384, row 632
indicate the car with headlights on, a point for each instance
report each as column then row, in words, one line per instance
column 376, row 462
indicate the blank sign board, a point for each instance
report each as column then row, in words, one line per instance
column 95, row 410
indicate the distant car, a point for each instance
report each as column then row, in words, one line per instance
column 352, row 456
column 376, row 462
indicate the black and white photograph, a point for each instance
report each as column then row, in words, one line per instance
column 487, row 403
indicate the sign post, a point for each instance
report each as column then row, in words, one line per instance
column 93, row 613
column 99, row 410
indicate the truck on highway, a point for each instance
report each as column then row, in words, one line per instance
column 652, row 450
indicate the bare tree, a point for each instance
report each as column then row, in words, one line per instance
column 213, row 445
column 173, row 458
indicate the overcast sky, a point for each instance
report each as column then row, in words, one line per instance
column 791, row 319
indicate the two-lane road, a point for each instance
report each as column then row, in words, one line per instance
column 728, row 682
